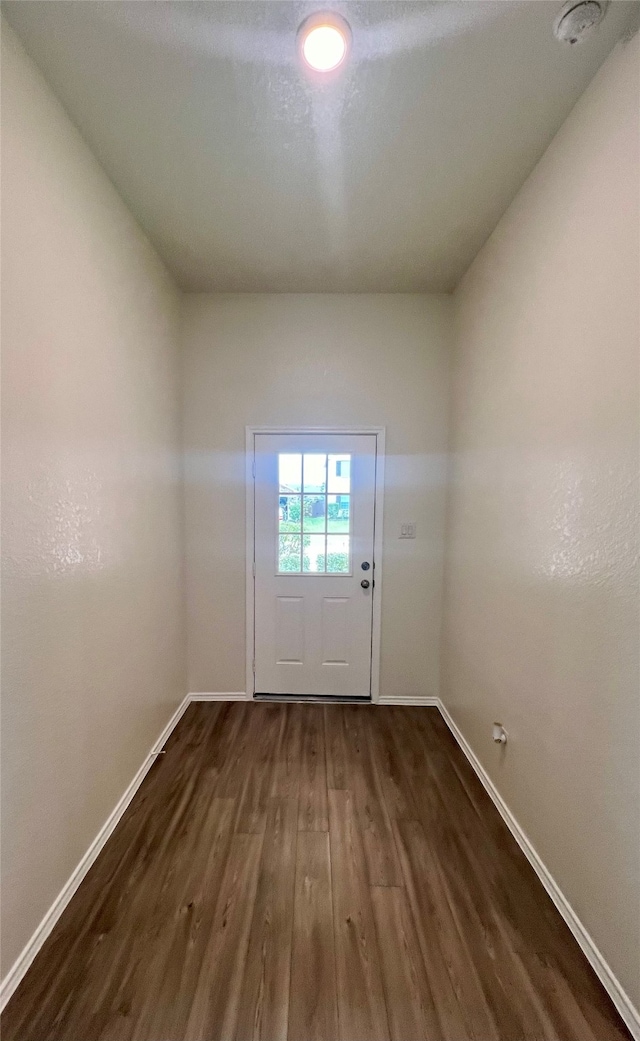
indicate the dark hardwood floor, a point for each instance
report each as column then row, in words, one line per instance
column 311, row 873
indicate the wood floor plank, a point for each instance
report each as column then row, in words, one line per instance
column 264, row 1001
column 383, row 868
column 126, row 1004
column 209, row 914
column 508, row 909
column 385, row 735
column 286, row 775
column 216, row 1001
column 462, row 1008
column 132, row 977
column 312, row 807
column 231, row 749
column 313, row 1008
column 336, row 747
column 260, row 755
column 467, row 891
column 472, row 893
column 100, row 914
column 411, row 1008
column 189, row 920
column 463, row 938
column 361, row 1002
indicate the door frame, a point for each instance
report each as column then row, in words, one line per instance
column 250, row 434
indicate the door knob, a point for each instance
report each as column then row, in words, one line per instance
column 365, row 583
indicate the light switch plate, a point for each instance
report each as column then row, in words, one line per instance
column 407, row 531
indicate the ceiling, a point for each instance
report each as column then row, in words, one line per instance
column 248, row 176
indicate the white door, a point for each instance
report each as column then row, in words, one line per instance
column 314, row 569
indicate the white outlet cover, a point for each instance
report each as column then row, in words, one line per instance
column 408, row 531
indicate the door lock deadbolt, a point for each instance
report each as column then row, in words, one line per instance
column 365, row 565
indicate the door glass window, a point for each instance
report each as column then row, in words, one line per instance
column 314, row 513
column 313, row 554
column 314, row 508
column 337, row 554
column 290, row 473
column 289, row 551
column 315, row 473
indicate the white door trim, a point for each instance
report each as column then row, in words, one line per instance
column 250, row 433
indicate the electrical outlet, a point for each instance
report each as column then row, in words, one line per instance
column 407, row 531
column 499, row 734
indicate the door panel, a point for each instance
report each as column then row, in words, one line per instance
column 335, row 630
column 289, row 630
column 314, row 529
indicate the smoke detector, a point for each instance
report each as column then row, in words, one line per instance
column 578, row 19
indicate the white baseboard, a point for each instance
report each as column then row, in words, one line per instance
column 603, row 971
column 408, row 700
column 26, row 957
column 170, row 727
column 237, row 695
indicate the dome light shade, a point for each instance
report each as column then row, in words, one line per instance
column 324, row 42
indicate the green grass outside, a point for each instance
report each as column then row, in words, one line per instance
column 311, row 524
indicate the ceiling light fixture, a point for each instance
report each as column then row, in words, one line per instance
column 324, row 40
column 578, row 19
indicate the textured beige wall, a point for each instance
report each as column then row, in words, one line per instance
column 541, row 598
column 93, row 660
column 320, row 360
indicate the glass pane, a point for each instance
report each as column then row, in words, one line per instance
column 289, row 510
column 338, row 554
column 290, row 473
column 338, row 512
column 313, row 553
column 340, row 473
column 313, row 510
column 315, row 473
column 289, row 552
